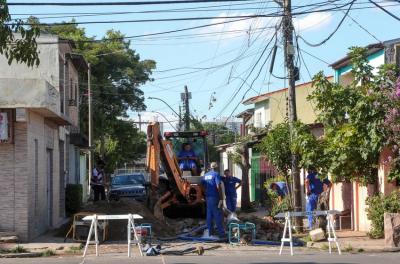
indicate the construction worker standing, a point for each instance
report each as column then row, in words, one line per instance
column 212, row 186
column 231, row 184
column 313, row 190
column 97, row 181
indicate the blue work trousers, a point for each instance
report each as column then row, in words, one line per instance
column 231, row 203
column 311, row 205
column 214, row 214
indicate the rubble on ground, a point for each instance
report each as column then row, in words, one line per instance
column 266, row 228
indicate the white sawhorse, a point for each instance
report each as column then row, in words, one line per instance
column 288, row 228
column 131, row 227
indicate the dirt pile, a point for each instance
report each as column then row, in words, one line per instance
column 118, row 228
column 267, row 228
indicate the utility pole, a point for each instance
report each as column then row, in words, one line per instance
column 186, row 96
column 90, row 122
column 289, row 64
column 140, row 121
column 180, row 118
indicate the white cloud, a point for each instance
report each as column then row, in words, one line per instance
column 313, row 21
column 239, row 28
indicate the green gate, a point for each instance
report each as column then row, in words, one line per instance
column 255, row 171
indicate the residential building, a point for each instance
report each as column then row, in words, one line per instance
column 247, row 117
column 273, row 107
column 270, row 109
column 351, row 196
column 40, row 150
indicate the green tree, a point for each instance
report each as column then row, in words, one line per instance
column 117, row 74
column 354, row 123
column 20, row 48
column 278, row 147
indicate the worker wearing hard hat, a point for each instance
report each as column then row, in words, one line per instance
column 231, row 184
column 212, row 186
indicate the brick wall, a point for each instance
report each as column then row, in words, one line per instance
column 14, row 184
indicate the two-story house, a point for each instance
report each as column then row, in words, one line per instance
column 352, row 196
column 39, row 107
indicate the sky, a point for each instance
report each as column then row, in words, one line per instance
column 214, row 61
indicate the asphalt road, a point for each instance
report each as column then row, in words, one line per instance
column 231, row 257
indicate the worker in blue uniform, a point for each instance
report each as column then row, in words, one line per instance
column 212, row 186
column 187, row 159
column 280, row 188
column 313, row 189
column 231, row 184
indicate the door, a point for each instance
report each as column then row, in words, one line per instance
column 49, row 156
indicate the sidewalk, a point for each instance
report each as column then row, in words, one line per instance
column 354, row 241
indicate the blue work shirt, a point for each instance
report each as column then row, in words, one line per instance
column 184, row 154
column 210, row 181
column 282, row 189
column 315, row 183
column 230, row 185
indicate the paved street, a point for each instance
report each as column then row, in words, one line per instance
column 234, row 257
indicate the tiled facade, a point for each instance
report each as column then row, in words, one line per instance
column 35, row 167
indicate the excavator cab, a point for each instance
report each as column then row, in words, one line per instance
column 177, row 192
column 191, row 150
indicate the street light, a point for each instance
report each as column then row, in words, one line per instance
column 161, row 114
column 159, row 99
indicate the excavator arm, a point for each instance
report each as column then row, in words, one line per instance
column 160, row 152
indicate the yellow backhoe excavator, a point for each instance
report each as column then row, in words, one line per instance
column 175, row 192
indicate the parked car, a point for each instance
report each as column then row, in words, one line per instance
column 128, row 185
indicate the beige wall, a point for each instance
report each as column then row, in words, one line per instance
column 305, row 108
column 23, row 197
column 14, row 194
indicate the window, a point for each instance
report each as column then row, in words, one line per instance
column 258, row 120
column 7, row 125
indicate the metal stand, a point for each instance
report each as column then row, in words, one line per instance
column 93, row 226
column 131, row 226
column 331, row 233
column 287, row 228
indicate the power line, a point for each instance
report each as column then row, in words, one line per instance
column 132, row 3
column 251, row 71
column 315, row 57
column 145, row 35
column 137, row 12
column 145, row 20
column 334, row 31
column 385, row 10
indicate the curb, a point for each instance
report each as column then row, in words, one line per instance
column 21, row 255
column 319, row 245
